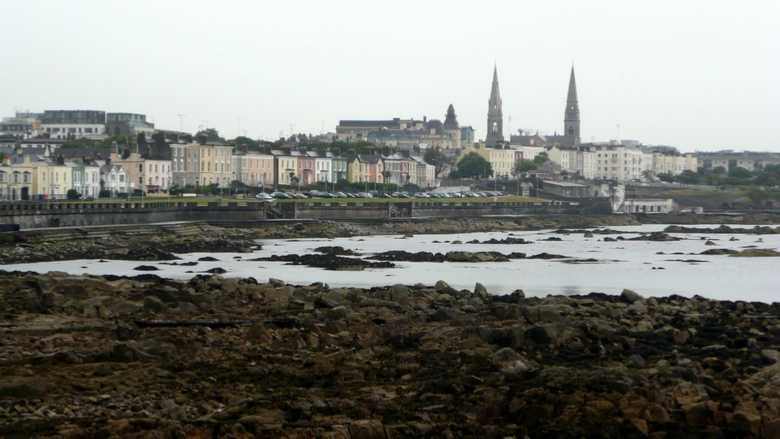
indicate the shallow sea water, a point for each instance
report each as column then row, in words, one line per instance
column 622, row 264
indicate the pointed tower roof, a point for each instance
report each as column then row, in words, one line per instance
column 571, row 119
column 495, row 119
column 495, row 95
column 451, row 120
column 572, row 97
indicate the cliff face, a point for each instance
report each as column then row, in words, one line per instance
column 149, row 357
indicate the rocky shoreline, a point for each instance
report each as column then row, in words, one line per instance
column 121, row 244
column 88, row 356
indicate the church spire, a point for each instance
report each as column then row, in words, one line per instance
column 495, row 122
column 572, row 98
column 571, row 120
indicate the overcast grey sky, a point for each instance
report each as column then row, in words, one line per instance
column 699, row 75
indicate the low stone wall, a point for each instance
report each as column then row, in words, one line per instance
column 38, row 215
column 358, row 210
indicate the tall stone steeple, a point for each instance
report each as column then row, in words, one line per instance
column 571, row 120
column 495, row 121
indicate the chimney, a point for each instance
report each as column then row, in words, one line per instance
column 202, row 139
column 336, row 151
column 18, row 147
column 187, row 138
column 6, row 160
column 60, row 160
column 114, row 148
column 108, row 161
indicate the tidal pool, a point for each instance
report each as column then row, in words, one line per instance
column 636, row 265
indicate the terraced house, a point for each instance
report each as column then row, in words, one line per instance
column 259, row 169
column 365, row 168
column 202, row 164
column 286, row 167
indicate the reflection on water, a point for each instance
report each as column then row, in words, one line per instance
column 649, row 268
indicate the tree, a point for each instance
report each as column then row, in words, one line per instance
column 474, row 165
column 757, row 195
column 212, row 135
column 385, row 175
column 522, row 166
column 769, row 177
column 688, row 177
column 73, row 194
column 106, row 143
column 719, row 170
column 648, row 175
column 78, row 143
column 666, row 177
column 251, row 144
column 542, row 157
column 741, row 173
column 434, row 156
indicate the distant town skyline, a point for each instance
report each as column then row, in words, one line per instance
column 696, row 75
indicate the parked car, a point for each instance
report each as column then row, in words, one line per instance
column 325, row 195
column 421, row 195
column 281, row 196
column 263, row 196
column 340, row 195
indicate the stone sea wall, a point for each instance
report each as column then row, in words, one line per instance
column 37, row 215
